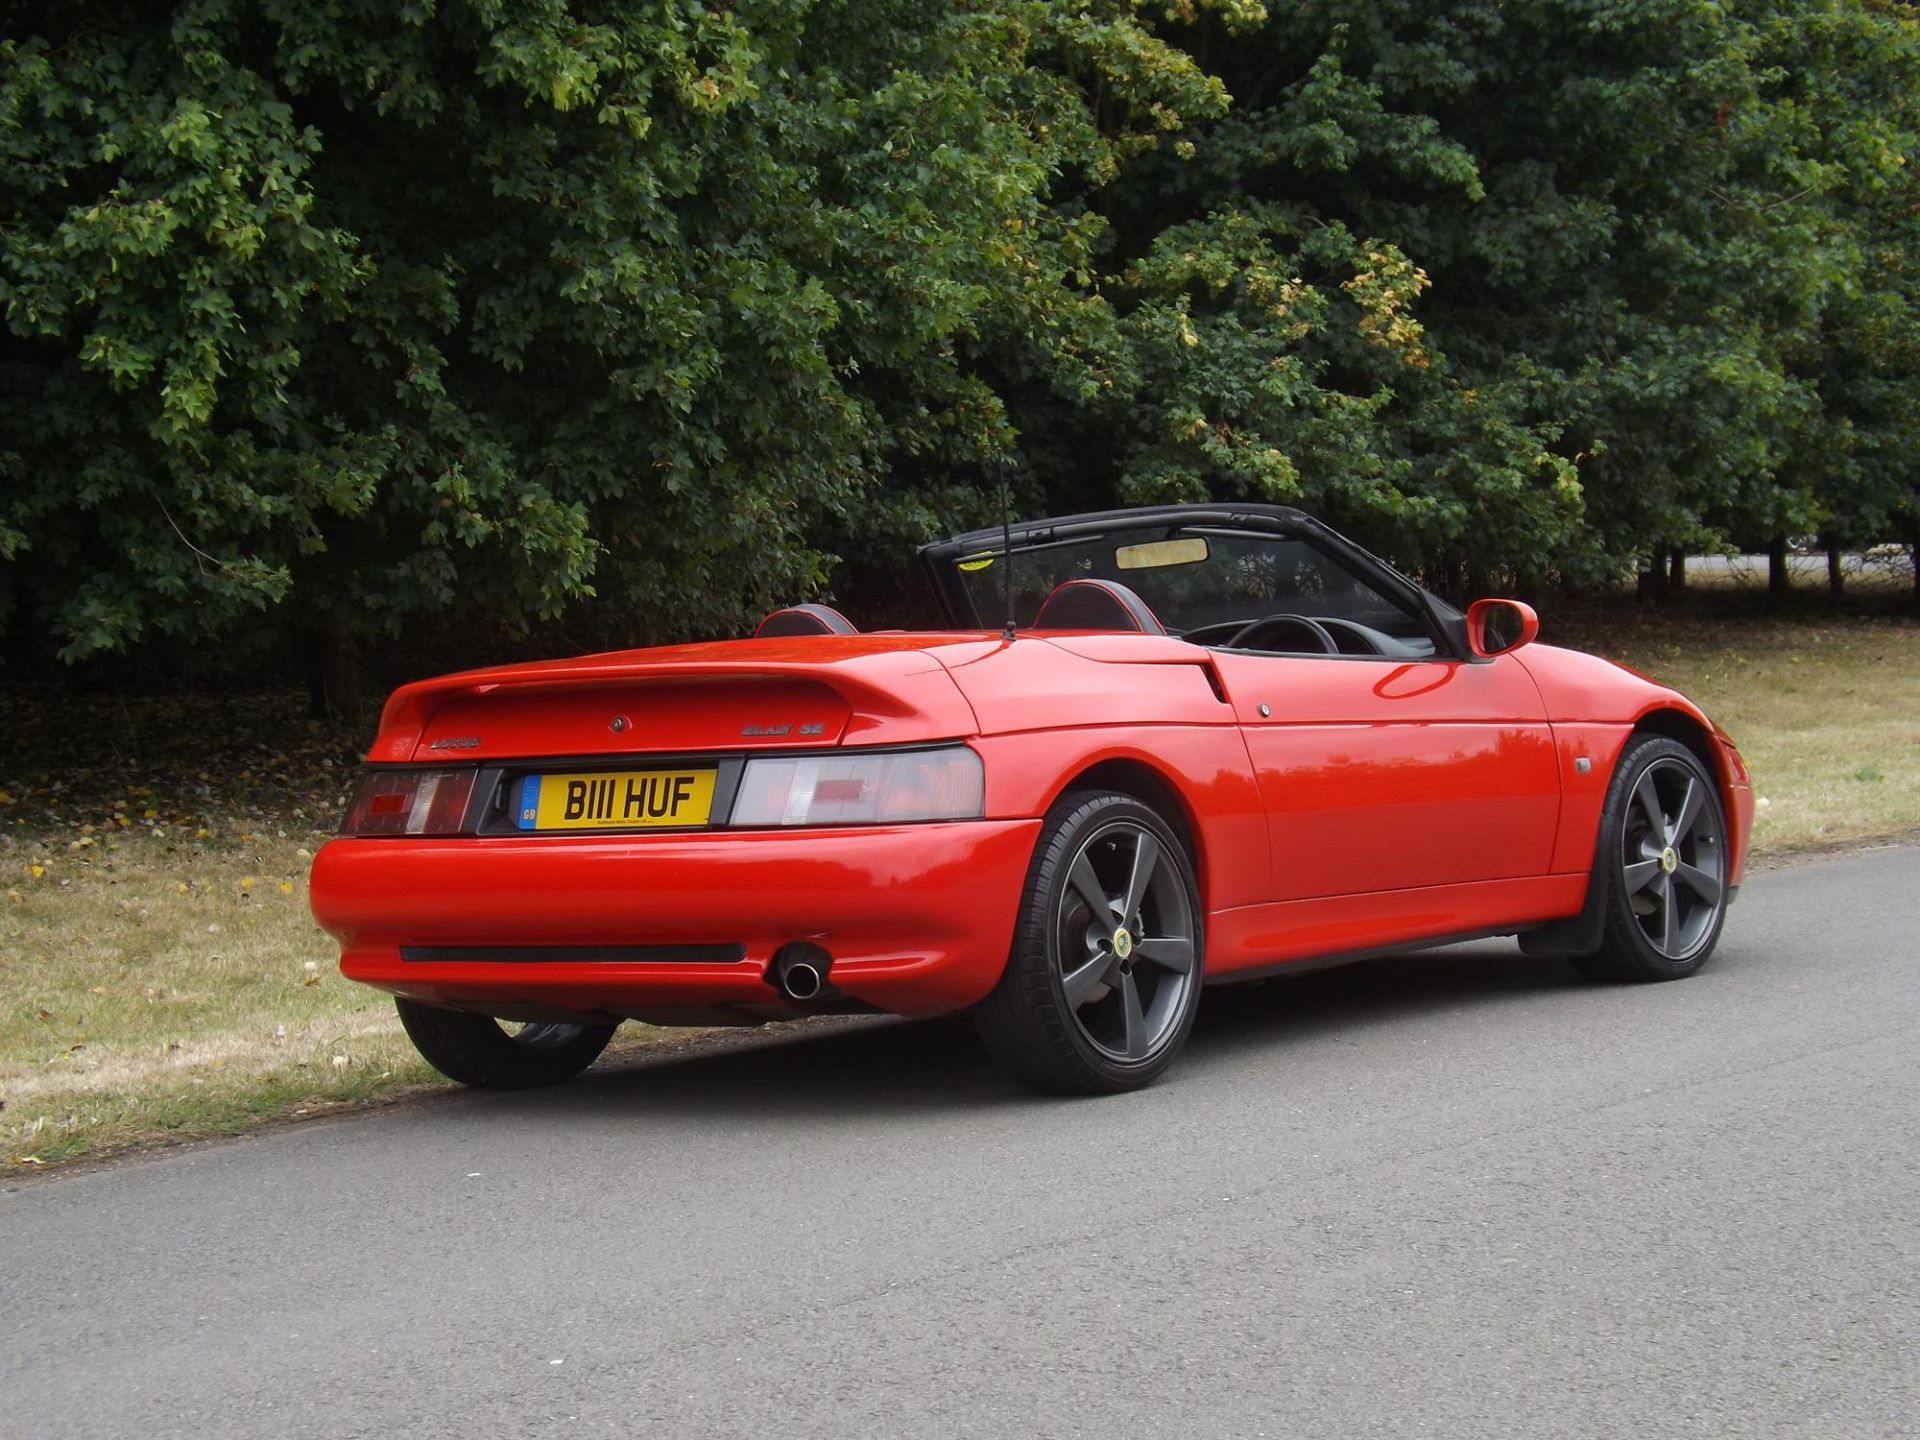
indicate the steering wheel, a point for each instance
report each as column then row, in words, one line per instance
column 1352, row 637
column 1301, row 624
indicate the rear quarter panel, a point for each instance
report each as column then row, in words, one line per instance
column 1050, row 710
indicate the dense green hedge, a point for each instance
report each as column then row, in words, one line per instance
column 321, row 321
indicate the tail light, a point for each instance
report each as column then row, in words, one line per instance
column 873, row 789
column 409, row 802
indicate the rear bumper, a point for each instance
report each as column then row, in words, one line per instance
column 918, row 918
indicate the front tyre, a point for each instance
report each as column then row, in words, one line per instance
column 1104, row 979
column 495, row 1055
column 1663, row 860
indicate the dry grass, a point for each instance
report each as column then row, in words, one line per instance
column 153, row 992
column 160, row 978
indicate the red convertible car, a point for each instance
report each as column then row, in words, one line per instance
column 1207, row 743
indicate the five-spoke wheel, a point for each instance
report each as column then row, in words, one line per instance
column 1670, row 857
column 1663, row 857
column 1104, row 978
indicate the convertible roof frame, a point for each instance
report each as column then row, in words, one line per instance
column 1448, row 625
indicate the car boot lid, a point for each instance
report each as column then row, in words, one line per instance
column 742, row 694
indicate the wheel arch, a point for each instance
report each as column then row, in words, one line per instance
column 1581, row 933
column 1689, row 730
column 1692, row 729
column 1153, row 787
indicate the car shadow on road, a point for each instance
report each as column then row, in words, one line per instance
column 869, row 1067
column 1350, row 999
column 880, row 1066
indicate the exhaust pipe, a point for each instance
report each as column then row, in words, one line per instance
column 799, row 971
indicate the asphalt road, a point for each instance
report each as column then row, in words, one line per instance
column 1460, row 1194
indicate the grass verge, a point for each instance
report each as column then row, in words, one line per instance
column 161, row 979
column 154, row 991
column 1825, row 708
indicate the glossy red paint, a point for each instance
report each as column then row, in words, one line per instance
column 666, row 714
column 1264, row 937
column 1204, row 768
column 1583, row 692
column 1482, row 613
column 1387, row 775
column 1582, row 792
column 891, row 689
column 1376, row 802
column 917, row 918
column 1063, row 682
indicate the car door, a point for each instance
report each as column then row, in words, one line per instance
column 1395, row 772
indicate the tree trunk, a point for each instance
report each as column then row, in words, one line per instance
column 1779, row 579
column 1913, row 558
column 1836, row 581
column 333, row 674
column 1677, row 570
column 1652, row 584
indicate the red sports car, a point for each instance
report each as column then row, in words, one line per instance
column 1207, row 743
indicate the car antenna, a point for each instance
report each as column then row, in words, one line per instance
column 1006, row 548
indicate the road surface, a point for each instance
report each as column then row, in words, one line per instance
column 1458, row 1194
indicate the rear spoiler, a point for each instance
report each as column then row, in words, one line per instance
column 897, row 696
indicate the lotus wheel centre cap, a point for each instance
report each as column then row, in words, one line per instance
column 1669, row 861
column 1122, row 943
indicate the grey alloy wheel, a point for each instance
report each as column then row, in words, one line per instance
column 1124, row 931
column 1661, row 868
column 1673, row 858
column 1103, row 981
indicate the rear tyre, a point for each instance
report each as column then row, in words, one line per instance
column 1103, row 982
column 1663, row 860
column 498, row 1055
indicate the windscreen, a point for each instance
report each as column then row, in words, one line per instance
column 1203, row 584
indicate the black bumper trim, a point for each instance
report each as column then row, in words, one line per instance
column 588, row 954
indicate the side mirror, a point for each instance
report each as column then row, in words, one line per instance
column 1496, row 626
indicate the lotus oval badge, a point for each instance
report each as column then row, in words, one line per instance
column 619, row 724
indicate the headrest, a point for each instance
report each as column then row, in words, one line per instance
column 1096, row 605
column 805, row 620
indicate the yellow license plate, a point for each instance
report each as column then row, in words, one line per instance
column 615, row 800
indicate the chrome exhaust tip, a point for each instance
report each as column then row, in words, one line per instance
column 799, row 972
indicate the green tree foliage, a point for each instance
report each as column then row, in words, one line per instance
column 366, row 311
column 1529, row 286
column 356, row 315
column 1856, row 87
